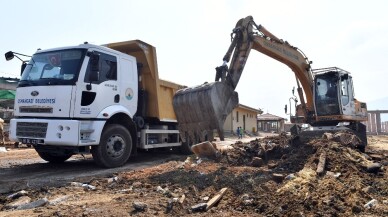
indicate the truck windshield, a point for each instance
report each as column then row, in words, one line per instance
column 53, row 68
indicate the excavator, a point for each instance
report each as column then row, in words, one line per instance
column 326, row 95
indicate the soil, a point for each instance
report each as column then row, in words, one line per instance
column 271, row 176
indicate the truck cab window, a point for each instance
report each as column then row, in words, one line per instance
column 108, row 69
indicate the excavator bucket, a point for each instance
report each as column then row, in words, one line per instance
column 202, row 109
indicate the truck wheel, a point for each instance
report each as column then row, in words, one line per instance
column 114, row 148
column 54, row 157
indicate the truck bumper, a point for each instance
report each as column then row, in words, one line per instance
column 56, row 132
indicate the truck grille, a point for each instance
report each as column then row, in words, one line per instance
column 35, row 110
column 31, row 130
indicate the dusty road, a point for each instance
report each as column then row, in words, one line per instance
column 22, row 168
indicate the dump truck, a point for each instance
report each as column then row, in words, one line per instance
column 105, row 100
column 327, row 100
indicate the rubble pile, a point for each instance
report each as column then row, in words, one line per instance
column 273, row 176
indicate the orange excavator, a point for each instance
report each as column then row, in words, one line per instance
column 326, row 96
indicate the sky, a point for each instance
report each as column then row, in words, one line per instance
column 192, row 36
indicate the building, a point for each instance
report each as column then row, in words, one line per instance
column 270, row 123
column 242, row 116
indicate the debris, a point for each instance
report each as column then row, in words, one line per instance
column 17, row 194
column 205, row 198
column 160, row 190
column 257, row 162
column 20, row 201
column 277, row 177
column 113, row 179
column 199, row 207
column 290, row 176
column 139, row 206
column 373, row 167
column 182, row 199
column 3, row 149
column 331, row 174
column 367, row 189
column 321, row 163
column 37, row 203
column 170, row 205
column 205, row 150
column 370, row 204
column 216, row 198
column 58, row 200
column 272, row 165
column 137, row 184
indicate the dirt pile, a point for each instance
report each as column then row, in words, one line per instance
column 270, row 176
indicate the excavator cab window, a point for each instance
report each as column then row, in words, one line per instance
column 326, row 95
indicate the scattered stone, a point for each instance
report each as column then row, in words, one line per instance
column 76, row 184
column 373, row 167
column 367, row 189
column 272, row 165
column 89, row 187
column 139, row 206
column 58, row 200
column 199, row 207
column 37, row 203
column 277, row 177
column 331, row 174
column 290, row 176
column 257, row 162
column 137, row 184
column 205, row 198
column 17, row 194
column 20, row 201
column 126, row 190
column 182, row 199
column 113, row 179
column 160, row 190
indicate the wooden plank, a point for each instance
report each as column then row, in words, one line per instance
column 215, row 199
column 321, row 163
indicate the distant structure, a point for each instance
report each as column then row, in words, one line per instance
column 8, row 83
column 374, row 125
column 270, row 123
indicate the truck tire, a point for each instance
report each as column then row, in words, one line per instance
column 115, row 147
column 55, row 158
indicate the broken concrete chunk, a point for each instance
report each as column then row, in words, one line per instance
column 373, row 167
column 20, row 201
column 182, row 199
column 199, row 207
column 205, row 150
column 139, row 206
column 290, row 176
column 257, row 162
column 58, row 200
column 89, row 187
column 37, row 203
column 17, row 194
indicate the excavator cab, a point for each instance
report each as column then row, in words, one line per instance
column 333, row 95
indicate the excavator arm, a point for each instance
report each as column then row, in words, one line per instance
column 204, row 108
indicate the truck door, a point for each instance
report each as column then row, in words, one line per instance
column 347, row 97
column 93, row 96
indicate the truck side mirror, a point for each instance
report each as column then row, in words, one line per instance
column 9, row 55
column 94, row 64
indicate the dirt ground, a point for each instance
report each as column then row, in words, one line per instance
column 271, row 176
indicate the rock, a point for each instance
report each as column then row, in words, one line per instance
column 20, row 201
column 356, row 209
column 160, row 190
column 373, row 167
column 113, row 179
column 182, row 199
column 290, row 176
column 76, row 184
column 139, row 206
column 272, row 165
column 367, row 189
column 257, row 162
column 199, row 207
column 331, row 174
column 37, row 203
column 205, row 150
column 58, row 200
column 205, row 198
column 137, row 184
column 17, row 194
column 89, row 187
column 277, row 177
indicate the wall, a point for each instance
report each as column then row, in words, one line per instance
column 231, row 122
